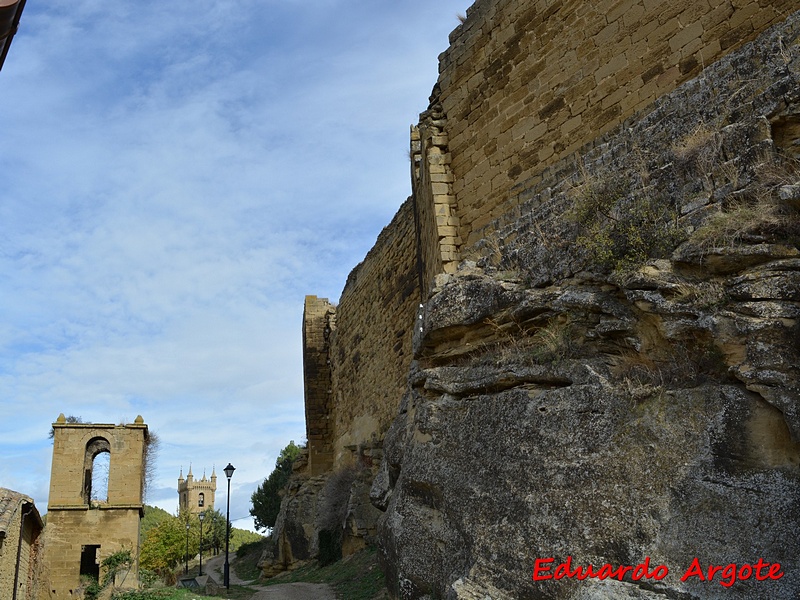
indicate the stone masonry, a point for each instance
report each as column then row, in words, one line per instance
column 522, row 87
column 196, row 495
column 318, row 321
column 524, row 84
column 530, row 94
column 81, row 532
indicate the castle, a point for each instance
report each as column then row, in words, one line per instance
column 196, row 496
column 573, row 339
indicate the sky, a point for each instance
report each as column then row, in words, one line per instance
column 175, row 178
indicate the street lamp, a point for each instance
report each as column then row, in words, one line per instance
column 186, row 568
column 228, row 473
column 201, row 516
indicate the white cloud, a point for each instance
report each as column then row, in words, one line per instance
column 176, row 177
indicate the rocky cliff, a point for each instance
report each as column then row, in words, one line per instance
column 577, row 343
column 613, row 378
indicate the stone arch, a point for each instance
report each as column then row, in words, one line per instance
column 94, row 486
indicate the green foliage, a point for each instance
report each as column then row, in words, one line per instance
column 91, row 588
column 247, row 557
column 620, row 230
column 118, row 561
column 164, row 546
column 152, row 517
column 240, row 537
column 148, row 578
column 142, row 595
column 266, row 500
column 163, row 594
column 213, row 531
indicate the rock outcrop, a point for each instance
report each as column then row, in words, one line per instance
column 615, row 377
column 577, row 343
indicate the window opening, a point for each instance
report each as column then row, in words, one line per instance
column 89, row 564
column 100, row 467
column 96, row 466
column 201, row 499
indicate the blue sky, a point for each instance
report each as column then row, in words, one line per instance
column 176, row 177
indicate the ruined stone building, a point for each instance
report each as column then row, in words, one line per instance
column 196, row 495
column 20, row 547
column 579, row 337
column 95, row 503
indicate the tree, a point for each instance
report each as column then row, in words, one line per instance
column 153, row 515
column 266, row 500
column 213, row 531
column 164, row 547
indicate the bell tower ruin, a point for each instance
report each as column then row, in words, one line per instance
column 95, row 503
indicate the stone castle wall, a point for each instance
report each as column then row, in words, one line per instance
column 356, row 355
column 562, row 407
column 318, row 319
column 524, row 84
column 370, row 347
column 522, row 87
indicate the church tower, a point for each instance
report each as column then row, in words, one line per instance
column 196, row 496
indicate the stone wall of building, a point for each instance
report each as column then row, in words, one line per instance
column 524, row 84
column 82, row 532
column 19, row 559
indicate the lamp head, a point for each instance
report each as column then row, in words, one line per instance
column 229, row 470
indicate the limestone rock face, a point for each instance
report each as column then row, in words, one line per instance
column 615, row 379
column 294, row 537
column 337, row 503
column 548, row 446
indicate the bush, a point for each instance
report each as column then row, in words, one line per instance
column 620, row 230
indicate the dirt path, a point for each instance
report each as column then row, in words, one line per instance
column 283, row 591
column 295, row 591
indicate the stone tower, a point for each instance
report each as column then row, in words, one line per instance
column 96, row 501
column 196, row 496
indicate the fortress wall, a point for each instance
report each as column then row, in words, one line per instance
column 318, row 320
column 522, row 87
column 370, row 346
column 525, row 84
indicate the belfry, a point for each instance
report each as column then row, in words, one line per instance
column 196, row 496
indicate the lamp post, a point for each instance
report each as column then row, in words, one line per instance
column 228, row 473
column 201, row 516
column 186, row 568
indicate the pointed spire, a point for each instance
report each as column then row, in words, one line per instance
column 180, row 477
column 213, row 473
column 190, row 476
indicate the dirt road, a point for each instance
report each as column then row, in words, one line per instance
column 283, row 591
